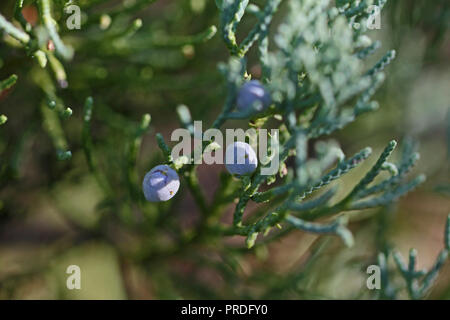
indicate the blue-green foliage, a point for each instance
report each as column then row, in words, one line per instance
column 313, row 63
column 418, row 282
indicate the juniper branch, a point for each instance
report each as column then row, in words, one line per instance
column 164, row 148
column 51, row 25
column 370, row 176
column 261, row 28
column 389, row 196
column 88, row 147
column 53, row 127
column 18, row 6
column 418, row 282
column 8, row 83
column 232, row 13
column 385, row 61
column 336, row 227
column 10, row 29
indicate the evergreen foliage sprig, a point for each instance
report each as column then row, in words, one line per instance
column 313, row 63
column 418, row 281
column 313, row 77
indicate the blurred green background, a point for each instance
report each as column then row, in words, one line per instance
column 53, row 214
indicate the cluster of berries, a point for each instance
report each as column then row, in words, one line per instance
column 162, row 182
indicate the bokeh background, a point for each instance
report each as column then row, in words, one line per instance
column 54, row 214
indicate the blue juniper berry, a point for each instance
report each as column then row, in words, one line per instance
column 253, row 95
column 240, row 158
column 161, row 183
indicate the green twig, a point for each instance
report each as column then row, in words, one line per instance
column 10, row 29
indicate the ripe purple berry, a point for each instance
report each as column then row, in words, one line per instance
column 253, row 95
column 240, row 158
column 161, row 183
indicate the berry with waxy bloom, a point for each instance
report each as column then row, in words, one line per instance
column 240, row 158
column 253, row 95
column 161, row 183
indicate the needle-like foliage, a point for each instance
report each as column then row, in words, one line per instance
column 312, row 58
